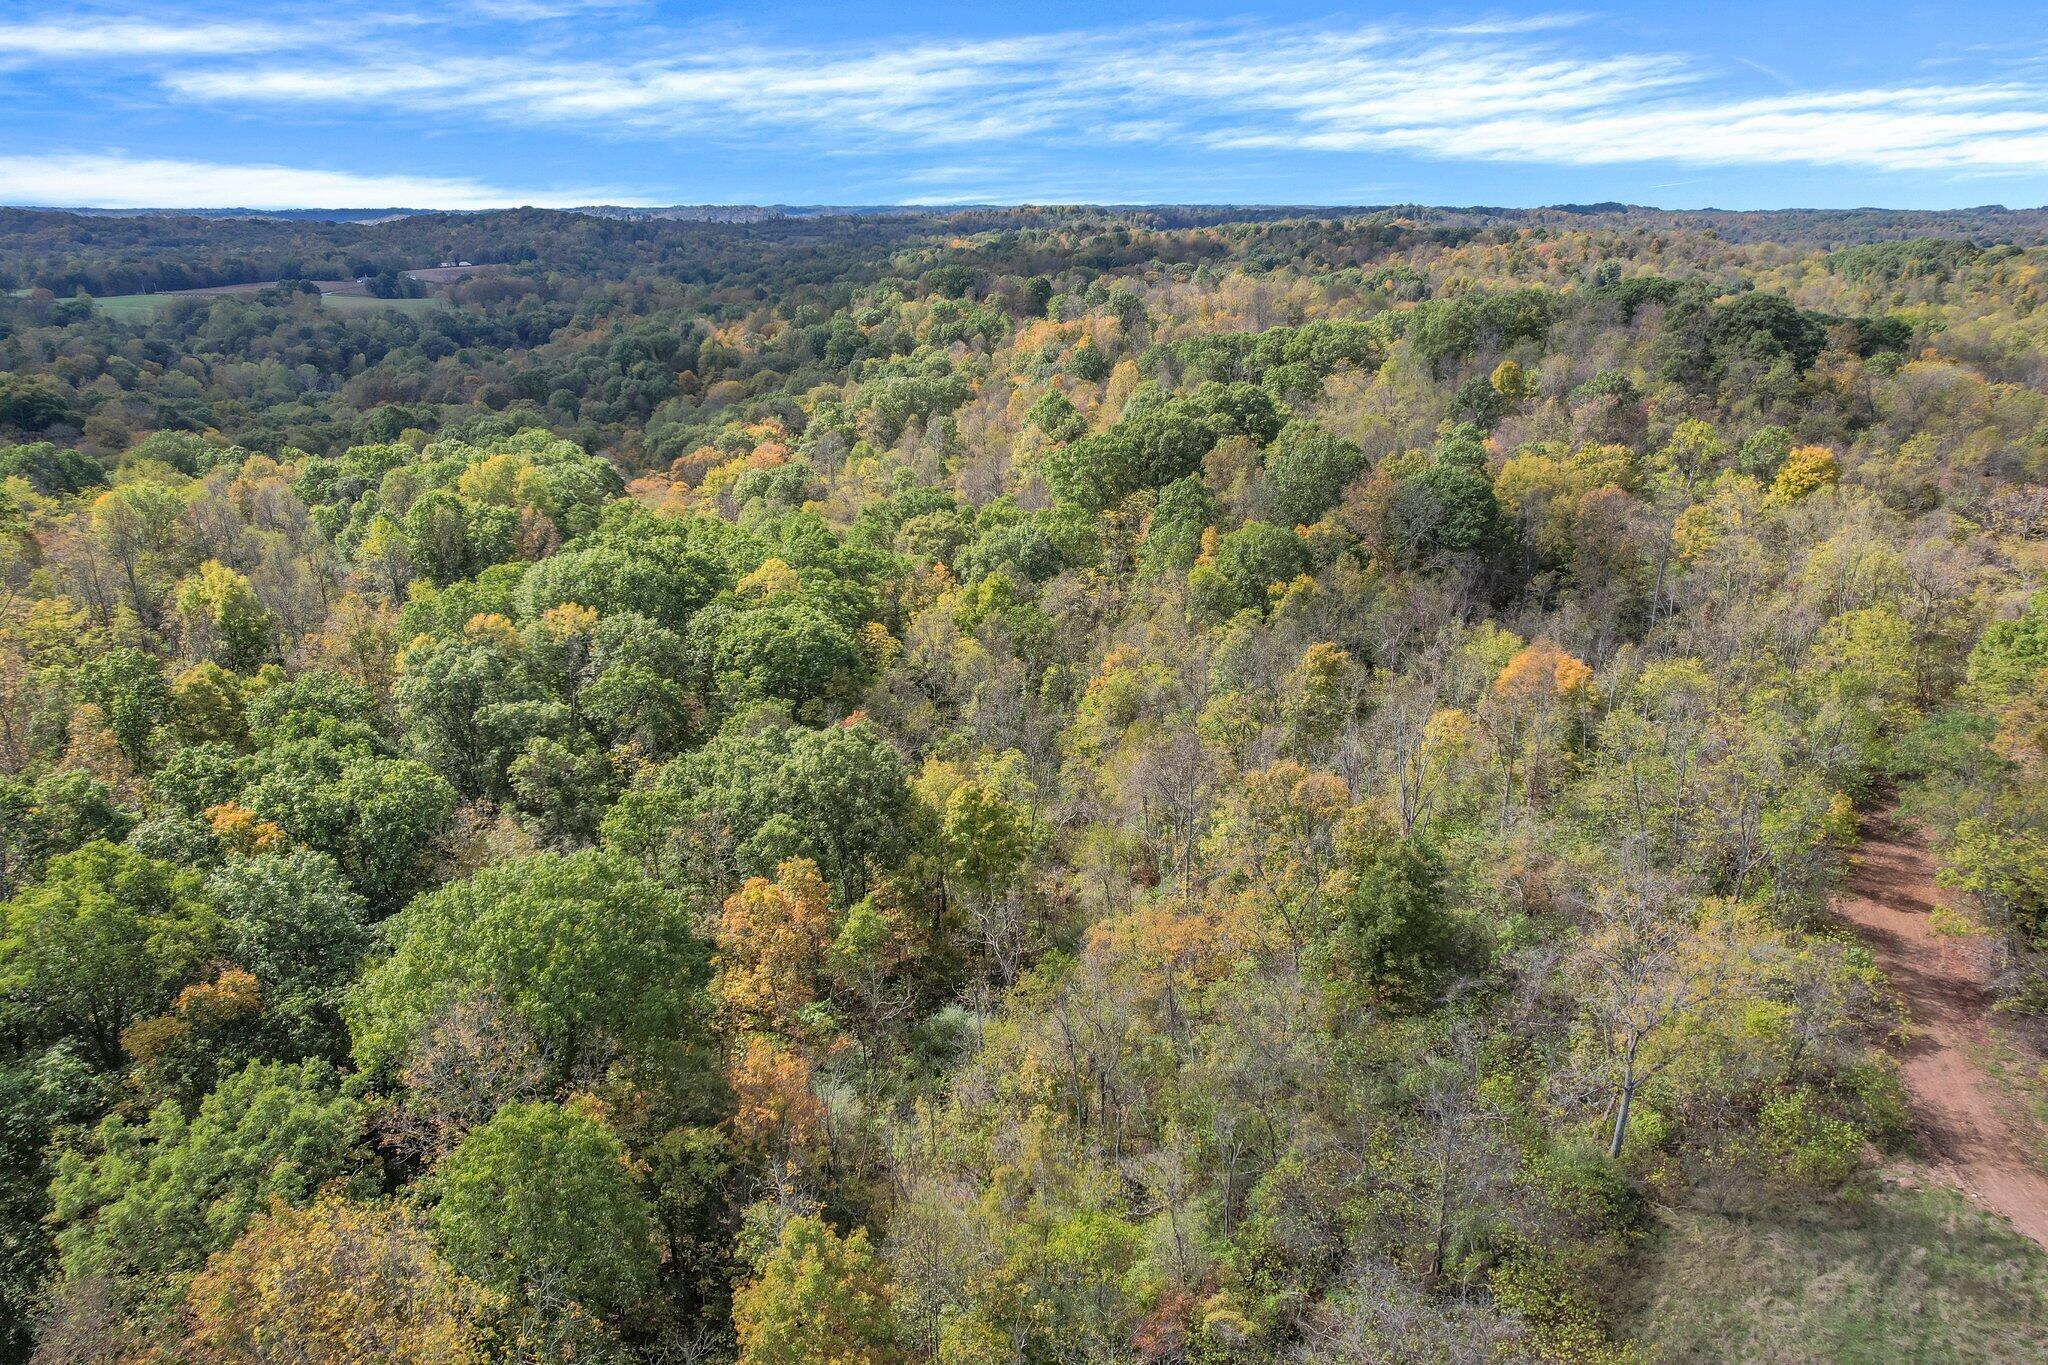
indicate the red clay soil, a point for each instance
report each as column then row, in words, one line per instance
column 1958, row 1109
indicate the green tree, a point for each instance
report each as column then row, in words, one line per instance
column 40, row 1095
column 390, row 812
column 763, row 791
column 659, row 577
column 222, row 618
column 378, row 817
column 1173, row 538
column 1087, row 364
column 1054, row 415
column 128, row 687
column 1390, row 937
column 788, row 649
column 1156, row 441
column 468, row 706
column 106, row 938
column 642, row 687
column 1249, row 562
column 542, row 1197
column 54, row 814
column 815, row 1297
column 150, row 1201
column 315, row 704
column 445, row 546
column 563, row 788
column 596, row 960
column 1449, row 506
column 294, row 923
column 1306, row 471
column 2011, row 656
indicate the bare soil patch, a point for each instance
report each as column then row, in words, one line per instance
column 1972, row 1144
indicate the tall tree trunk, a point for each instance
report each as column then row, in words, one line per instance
column 1628, row 1095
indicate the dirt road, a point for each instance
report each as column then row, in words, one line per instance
column 1959, row 1110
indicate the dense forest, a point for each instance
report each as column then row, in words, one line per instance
column 1040, row 785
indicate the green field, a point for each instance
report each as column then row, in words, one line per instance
column 142, row 307
column 363, row 303
column 1903, row 1275
column 131, row 307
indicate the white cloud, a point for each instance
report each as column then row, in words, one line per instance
column 101, row 39
column 542, row 11
column 1520, row 90
column 112, row 180
column 1988, row 130
column 925, row 93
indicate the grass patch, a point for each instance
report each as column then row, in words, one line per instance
column 2015, row 1067
column 1904, row 1275
column 131, row 307
column 143, row 307
column 363, row 303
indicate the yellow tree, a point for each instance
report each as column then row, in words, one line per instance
column 774, row 1108
column 242, row 832
column 771, row 943
column 359, row 640
column 333, row 1284
column 817, row 1299
column 1281, row 833
column 221, row 618
column 1536, row 690
column 1807, row 470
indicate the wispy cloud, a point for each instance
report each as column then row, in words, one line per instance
column 924, row 93
column 541, row 11
column 112, row 180
column 1510, row 90
column 1162, row 82
column 1988, row 129
column 112, row 38
column 1543, row 90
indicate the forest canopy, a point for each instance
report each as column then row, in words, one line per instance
column 1026, row 785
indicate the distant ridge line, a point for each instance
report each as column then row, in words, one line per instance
column 744, row 213
column 1986, row 226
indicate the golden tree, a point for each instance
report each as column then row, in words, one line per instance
column 771, row 940
column 333, row 1284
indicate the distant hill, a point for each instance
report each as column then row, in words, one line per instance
column 1987, row 225
column 116, row 253
column 281, row 215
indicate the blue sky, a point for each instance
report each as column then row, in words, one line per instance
column 478, row 103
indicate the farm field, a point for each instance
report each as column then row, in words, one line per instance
column 443, row 274
column 141, row 307
column 132, row 307
column 364, row 303
column 345, row 295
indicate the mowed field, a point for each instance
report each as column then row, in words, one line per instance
column 131, row 307
column 346, row 295
column 142, row 307
column 364, row 303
